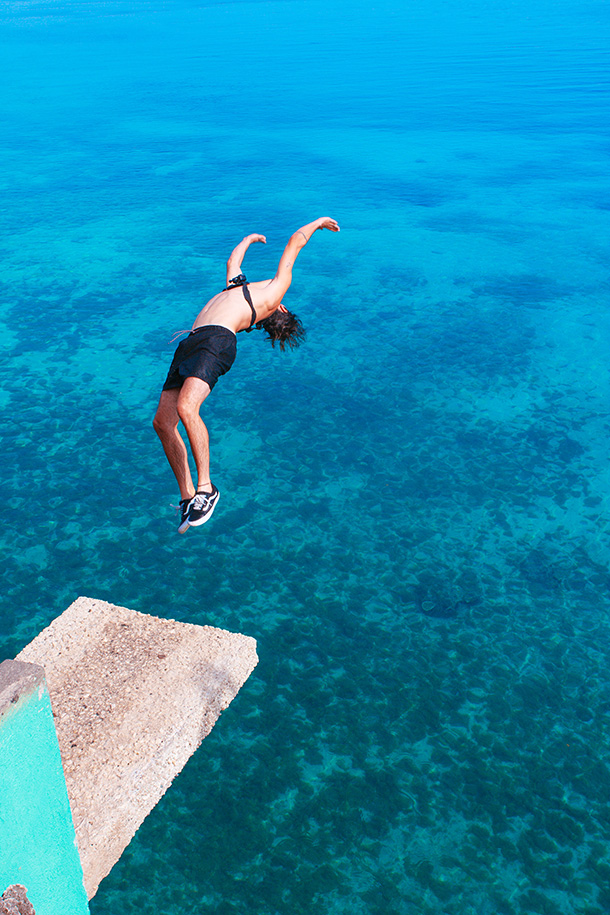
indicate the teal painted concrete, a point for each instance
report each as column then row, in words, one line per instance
column 37, row 844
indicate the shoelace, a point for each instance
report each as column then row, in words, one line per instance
column 182, row 506
column 201, row 499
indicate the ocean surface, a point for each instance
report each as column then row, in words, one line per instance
column 415, row 518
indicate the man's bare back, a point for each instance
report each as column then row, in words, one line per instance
column 230, row 309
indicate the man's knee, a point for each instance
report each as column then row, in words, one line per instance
column 162, row 427
column 187, row 411
column 192, row 394
column 165, row 419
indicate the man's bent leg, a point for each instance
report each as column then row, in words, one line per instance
column 166, row 426
column 192, row 394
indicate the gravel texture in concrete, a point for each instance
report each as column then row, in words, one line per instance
column 15, row 901
column 133, row 696
column 18, row 679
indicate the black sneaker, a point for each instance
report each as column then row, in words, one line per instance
column 183, row 508
column 202, row 506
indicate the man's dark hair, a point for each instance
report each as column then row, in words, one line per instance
column 283, row 328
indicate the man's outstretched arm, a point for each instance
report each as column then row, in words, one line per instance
column 237, row 254
column 297, row 241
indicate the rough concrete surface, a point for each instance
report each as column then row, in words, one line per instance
column 17, row 679
column 133, row 697
column 15, row 901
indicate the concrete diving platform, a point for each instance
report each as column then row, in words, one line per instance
column 132, row 697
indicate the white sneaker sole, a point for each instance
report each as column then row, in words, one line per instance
column 184, row 525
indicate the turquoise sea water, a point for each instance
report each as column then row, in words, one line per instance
column 414, row 518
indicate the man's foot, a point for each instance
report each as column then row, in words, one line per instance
column 183, row 508
column 202, row 506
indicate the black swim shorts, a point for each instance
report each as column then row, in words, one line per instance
column 207, row 353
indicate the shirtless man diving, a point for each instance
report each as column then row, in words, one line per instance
column 209, row 351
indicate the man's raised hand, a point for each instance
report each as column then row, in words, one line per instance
column 325, row 222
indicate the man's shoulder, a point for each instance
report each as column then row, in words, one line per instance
column 260, row 285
